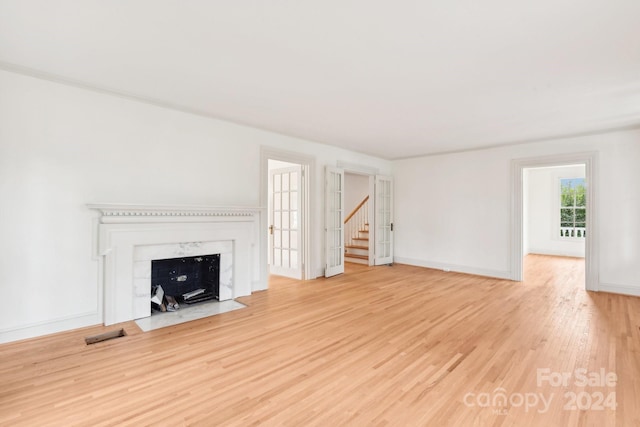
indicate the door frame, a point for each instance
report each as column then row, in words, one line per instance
column 590, row 160
column 371, row 173
column 307, row 208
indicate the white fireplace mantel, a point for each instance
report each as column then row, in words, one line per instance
column 124, row 229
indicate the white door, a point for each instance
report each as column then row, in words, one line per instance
column 285, row 234
column 334, row 221
column 383, row 220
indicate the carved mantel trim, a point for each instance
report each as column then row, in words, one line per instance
column 116, row 212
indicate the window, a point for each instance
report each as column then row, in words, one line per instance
column 573, row 208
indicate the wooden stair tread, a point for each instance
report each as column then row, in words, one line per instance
column 356, row 247
column 361, row 238
column 356, row 256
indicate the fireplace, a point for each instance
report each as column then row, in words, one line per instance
column 131, row 237
column 185, row 280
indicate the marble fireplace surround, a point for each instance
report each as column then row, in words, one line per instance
column 129, row 236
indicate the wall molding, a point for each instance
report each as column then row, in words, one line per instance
column 129, row 96
column 47, row 327
column 620, row 289
column 496, row 274
column 357, row 169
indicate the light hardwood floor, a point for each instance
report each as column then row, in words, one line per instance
column 396, row 345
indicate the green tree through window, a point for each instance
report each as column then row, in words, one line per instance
column 573, row 207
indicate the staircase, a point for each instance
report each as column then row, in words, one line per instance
column 356, row 234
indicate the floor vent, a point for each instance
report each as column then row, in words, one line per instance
column 105, row 336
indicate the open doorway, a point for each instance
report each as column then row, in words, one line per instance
column 359, row 216
column 373, row 233
column 588, row 226
column 555, row 211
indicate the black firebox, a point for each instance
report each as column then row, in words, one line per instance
column 188, row 279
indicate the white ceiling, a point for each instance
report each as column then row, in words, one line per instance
column 390, row 78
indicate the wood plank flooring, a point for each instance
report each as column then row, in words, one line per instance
column 381, row 346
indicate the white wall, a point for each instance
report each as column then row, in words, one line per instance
column 543, row 212
column 453, row 210
column 356, row 188
column 62, row 147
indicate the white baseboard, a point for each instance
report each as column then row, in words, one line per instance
column 455, row 268
column 49, row 327
column 619, row 289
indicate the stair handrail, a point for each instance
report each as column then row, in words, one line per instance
column 355, row 222
column 354, row 211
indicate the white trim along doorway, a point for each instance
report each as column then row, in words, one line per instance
column 589, row 160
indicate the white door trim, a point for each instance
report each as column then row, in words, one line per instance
column 590, row 160
column 307, row 212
